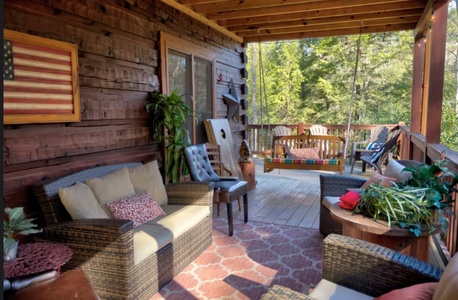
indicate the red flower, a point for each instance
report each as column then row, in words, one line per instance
column 349, row 200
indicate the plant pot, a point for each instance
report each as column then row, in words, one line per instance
column 10, row 250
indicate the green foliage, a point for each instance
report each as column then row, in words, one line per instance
column 168, row 115
column 16, row 224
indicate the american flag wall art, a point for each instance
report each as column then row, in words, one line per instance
column 40, row 80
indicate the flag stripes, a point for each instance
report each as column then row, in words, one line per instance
column 38, row 79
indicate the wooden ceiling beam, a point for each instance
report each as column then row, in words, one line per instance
column 333, row 5
column 328, row 33
column 247, row 4
column 318, row 14
column 330, row 27
column 202, row 19
column 197, row 2
column 329, row 20
column 425, row 19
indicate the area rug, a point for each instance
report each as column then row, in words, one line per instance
column 247, row 264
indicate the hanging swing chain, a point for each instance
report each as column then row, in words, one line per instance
column 358, row 52
column 262, row 88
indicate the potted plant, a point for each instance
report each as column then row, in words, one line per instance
column 423, row 199
column 168, row 115
column 15, row 224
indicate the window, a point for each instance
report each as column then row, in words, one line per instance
column 189, row 69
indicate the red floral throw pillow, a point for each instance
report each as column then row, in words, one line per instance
column 422, row 291
column 304, row 153
column 139, row 208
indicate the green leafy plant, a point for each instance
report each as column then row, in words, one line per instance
column 16, row 224
column 168, row 115
column 425, row 198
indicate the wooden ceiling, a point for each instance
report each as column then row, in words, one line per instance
column 273, row 20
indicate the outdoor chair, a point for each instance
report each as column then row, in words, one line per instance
column 282, row 130
column 332, row 186
column 375, row 142
column 318, row 130
column 356, row 269
column 226, row 189
column 214, row 156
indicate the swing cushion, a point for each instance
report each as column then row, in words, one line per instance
column 304, row 153
column 303, row 161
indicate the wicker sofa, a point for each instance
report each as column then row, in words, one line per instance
column 104, row 248
column 372, row 270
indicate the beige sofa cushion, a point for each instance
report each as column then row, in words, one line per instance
column 111, row 187
column 327, row 290
column 148, row 178
column 152, row 236
column 330, row 200
column 180, row 218
column 80, row 202
column 148, row 239
column 447, row 289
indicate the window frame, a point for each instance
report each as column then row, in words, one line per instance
column 167, row 42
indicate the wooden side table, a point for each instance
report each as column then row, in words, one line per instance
column 378, row 232
column 70, row 285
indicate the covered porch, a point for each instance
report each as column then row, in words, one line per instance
column 122, row 47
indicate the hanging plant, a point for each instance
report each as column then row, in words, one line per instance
column 168, row 115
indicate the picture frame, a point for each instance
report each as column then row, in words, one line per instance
column 40, row 80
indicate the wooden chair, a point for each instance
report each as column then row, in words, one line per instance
column 282, row 130
column 214, row 156
column 318, row 130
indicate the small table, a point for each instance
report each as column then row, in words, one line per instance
column 34, row 258
column 375, row 231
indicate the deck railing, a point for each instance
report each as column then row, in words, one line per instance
column 260, row 135
column 411, row 146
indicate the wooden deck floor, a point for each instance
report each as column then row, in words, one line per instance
column 292, row 197
column 289, row 197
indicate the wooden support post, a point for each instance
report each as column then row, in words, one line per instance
column 436, row 74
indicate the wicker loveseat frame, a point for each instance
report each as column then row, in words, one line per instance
column 364, row 267
column 330, row 151
column 103, row 248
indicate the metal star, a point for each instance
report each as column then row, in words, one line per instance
column 231, row 100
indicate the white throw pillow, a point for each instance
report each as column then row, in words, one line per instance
column 394, row 169
column 148, row 178
column 80, row 202
column 111, row 187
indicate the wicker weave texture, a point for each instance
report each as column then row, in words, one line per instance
column 372, row 269
column 334, row 185
column 103, row 248
column 278, row 292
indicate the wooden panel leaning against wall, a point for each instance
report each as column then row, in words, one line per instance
column 118, row 67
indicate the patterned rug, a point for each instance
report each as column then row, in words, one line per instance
column 247, row 264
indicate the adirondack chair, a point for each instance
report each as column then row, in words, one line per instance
column 282, row 130
column 377, row 158
column 318, row 130
column 376, row 140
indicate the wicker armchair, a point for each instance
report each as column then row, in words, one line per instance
column 365, row 267
column 336, row 186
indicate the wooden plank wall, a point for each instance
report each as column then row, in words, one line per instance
column 118, row 67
